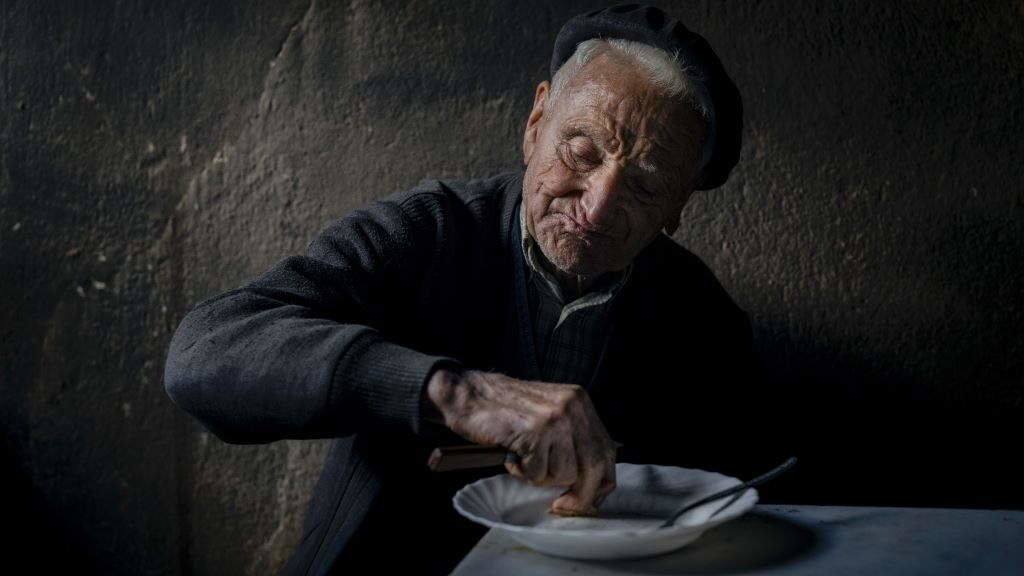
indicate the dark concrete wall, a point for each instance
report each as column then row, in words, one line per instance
column 154, row 153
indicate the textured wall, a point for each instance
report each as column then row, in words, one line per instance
column 157, row 153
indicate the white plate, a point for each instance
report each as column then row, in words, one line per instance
column 627, row 525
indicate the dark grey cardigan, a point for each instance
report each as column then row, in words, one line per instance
column 339, row 343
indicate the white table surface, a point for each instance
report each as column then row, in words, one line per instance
column 802, row 540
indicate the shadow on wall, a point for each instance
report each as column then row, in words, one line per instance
column 40, row 532
column 868, row 435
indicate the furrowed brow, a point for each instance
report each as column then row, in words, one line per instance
column 573, row 130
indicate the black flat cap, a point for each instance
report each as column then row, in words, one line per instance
column 653, row 27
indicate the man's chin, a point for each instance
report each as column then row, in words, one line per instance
column 577, row 259
column 576, row 266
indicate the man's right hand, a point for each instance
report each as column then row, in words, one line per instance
column 553, row 428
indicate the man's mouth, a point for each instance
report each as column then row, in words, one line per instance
column 577, row 229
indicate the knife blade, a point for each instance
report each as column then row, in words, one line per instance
column 466, row 456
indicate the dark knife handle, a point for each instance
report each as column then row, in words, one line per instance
column 445, row 458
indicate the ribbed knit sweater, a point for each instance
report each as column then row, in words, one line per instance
column 340, row 342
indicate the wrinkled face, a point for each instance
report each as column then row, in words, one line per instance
column 608, row 165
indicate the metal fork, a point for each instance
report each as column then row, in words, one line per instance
column 735, row 491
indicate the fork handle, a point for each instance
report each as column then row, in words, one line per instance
column 769, row 475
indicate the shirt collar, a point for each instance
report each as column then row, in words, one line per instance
column 599, row 294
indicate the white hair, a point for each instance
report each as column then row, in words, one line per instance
column 669, row 73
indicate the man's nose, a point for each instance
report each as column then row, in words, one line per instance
column 601, row 199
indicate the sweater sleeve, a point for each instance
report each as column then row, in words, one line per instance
column 304, row 350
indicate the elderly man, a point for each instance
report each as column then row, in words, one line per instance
column 546, row 311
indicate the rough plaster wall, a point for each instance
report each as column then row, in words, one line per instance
column 877, row 214
column 156, row 153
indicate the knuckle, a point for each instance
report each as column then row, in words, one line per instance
column 534, row 423
column 571, row 394
column 557, row 414
column 576, row 392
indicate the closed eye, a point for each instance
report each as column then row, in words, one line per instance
column 578, row 157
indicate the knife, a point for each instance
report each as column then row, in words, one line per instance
column 463, row 457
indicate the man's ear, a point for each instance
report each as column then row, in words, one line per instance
column 533, row 122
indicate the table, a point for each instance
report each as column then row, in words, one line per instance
column 802, row 540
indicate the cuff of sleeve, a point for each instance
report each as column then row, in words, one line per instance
column 432, row 426
column 387, row 381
